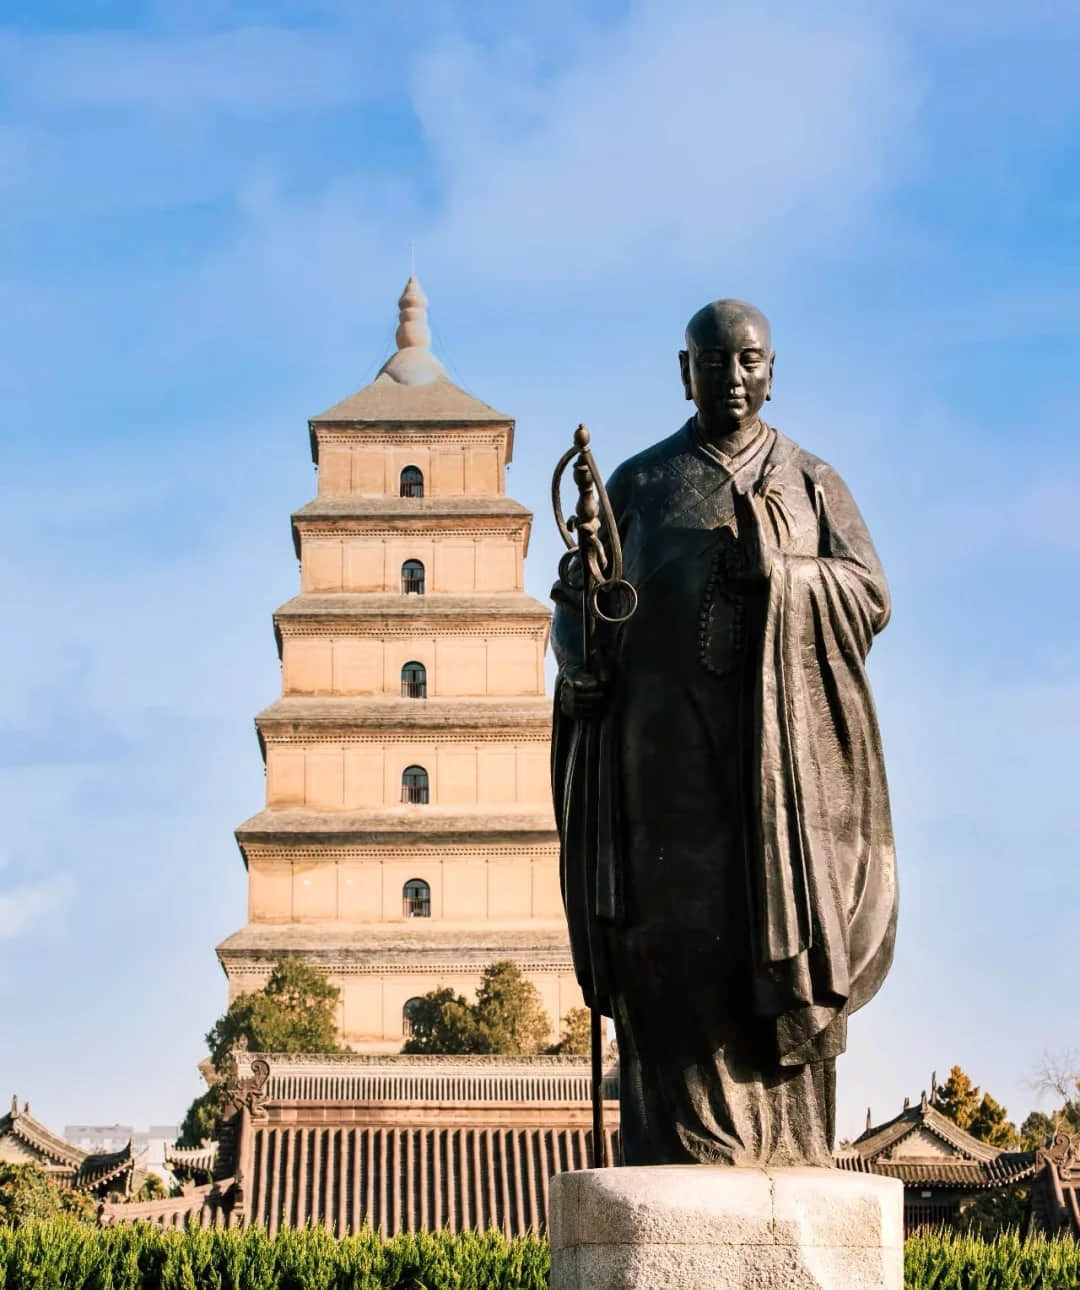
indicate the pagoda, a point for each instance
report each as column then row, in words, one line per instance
column 408, row 839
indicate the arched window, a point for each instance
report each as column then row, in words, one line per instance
column 412, row 578
column 409, row 1017
column 414, row 681
column 414, row 785
column 416, row 899
column 412, row 482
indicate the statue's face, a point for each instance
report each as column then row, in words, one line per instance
column 727, row 368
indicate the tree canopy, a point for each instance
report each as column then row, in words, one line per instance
column 974, row 1111
column 27, row 1193
column 292, row 1013
column 507, row 1017
column 576, row 1033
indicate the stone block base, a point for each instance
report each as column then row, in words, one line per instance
column 696, row 1227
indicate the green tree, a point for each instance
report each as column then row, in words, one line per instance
column 27, row 1193
column 152, row 1188
column 203, row 1117
column 974, row 1111
column 292, row 1013
column 990, row 1124
column 508, row 1011
column 1035, row 1130
column 957, row 1098
column 507, row 1017
column 442, row 1022
column 576, row 1038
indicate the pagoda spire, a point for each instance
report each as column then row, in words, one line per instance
column 413, row 363
column 413, row 331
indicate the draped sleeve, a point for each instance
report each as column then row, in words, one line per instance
column 821, row 835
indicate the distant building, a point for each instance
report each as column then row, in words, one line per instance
column 408, row 839
column 943, row 1169
column 154, row 1142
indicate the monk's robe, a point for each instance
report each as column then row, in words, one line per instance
column 727, row 855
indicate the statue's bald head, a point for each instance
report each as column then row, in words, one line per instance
column 727, row 366
column 716, row 323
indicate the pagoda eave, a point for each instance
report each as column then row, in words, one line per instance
column 358, row 507
column 409, row 943
column 346, row 606
column 351, row 715
column 404, row 826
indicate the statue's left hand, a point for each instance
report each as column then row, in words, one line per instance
column 757, row 551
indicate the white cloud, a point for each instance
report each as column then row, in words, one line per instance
column 700, row 130
column 25, row 905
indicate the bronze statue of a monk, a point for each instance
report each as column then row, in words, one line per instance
column 727, row 853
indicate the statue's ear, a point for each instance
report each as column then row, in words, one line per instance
column 684, row 369
column 772, row 362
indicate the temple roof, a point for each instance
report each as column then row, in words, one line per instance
column 882, row 1138
column 1008, row 1167
column 935, row 1152
column 39, row 1140
column 193, row 1160
column 72, row 1165
column 412, row 386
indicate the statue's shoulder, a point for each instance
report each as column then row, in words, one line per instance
column 649, row 465
column 786, row 453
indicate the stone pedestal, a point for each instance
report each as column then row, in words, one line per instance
column 696, row 1227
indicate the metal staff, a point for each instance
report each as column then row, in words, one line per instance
column 601, row 572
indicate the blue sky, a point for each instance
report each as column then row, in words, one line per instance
column 206, row 215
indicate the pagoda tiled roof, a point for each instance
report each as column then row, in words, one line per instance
column 389, row 402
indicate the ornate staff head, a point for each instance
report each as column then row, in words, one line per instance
column 596, row 544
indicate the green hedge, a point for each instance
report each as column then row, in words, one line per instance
column 945, row 1261
column 66, row 1255
column 63, row 1254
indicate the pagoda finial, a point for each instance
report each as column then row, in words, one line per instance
column 413, row 331
column 14, row 1105
column 413, row 363
column 868, row 1122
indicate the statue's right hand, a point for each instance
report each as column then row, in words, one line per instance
column 583, row 694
